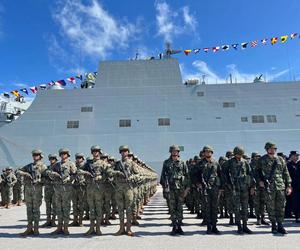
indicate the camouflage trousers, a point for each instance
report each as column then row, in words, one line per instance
column 108, row 199
column 7, row 192
column 78, row 196
column 195, row 200
column 124, row 198
column 63, row 194
column 275, row 205
column 33, row 199
column 240, row 205
column 210, row 206
column 228, row 199
column 176, row 204
column 18, row 192
column 49, row 200
column 135, row 203
column 166, row 196
column 95, row 198
column 260, row 201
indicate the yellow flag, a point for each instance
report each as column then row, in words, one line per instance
column 187, row 51
column 274, row 40
column 15, row 93
column 284, row 39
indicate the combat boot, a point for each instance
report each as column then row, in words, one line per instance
column 47, row 223
column 258, row 220
column 174, row 230
column 221, row 215
column 208, row 231
column 240, row 229
column 28, row 231
column 98, row 231
column 80, row 221
column 7, row 205
column 53, row 224
column 58, row 230
column 274, row 228
column 75, row 222
column 121, row 229
column 281, row 229
column 128, row 229
column 18, row 203
column 113, row 216
column 231, row 222
column 66, row 229
column 263, row 221
column 91, row 229
column 226, row 215
column 245, row 228
column 135, row 222
column 36, row 228
column 215, row 230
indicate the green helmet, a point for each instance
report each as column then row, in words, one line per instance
column 37, row 152
column 124, row 148
column 238, row 151
column 208, row 148
column 174, row 147
column 79, row 155
column 64, row 150
column 95, row 148
column 269, row 145
column 52, row 156
column 229, row 154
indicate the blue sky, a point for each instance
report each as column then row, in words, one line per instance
column 44, row 40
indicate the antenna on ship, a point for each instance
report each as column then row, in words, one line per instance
column 169, row 51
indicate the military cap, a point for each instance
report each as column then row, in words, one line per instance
column 95, row 148
column 207, row 148
column 79, row 155
column 124, row 148
column 54, row 156
column 64, row 150
column 37, row 152
column 174, row 147
column 294, row 153
column 255, row 154
column 238, row 151
column 229, row 154
column 269, row 145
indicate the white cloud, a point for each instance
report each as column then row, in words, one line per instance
column 171, row 23
column 211, row 77
column 89, row 29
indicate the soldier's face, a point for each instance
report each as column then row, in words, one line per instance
column 52, row 161
column 36, row 157
column 295, row 158
column 174, row 153
column 124, row 153
column 96, row 154
column 64, row 156
column 207, row 154
column 79, row 160
column 272, row 151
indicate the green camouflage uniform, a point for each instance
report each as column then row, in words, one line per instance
column 8, row 182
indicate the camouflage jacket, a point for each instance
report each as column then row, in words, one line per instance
column 9, row 180
column 210, row 174
column 33, row 173
column 174, row 174
column 63, row 173
column 79, row 180
column 279, row 178
column 126, row 171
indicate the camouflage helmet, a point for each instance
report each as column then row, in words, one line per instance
column 9, row 168
column 196, row 158
column 64, row 150
column 207, row 148
column 111, row 158
column 269, row 145
column 95, row 148
column 229, row 154
column 52, row 156
column 104, row 156
column 37, row 152
column 222, row 159
column 255, row 154
column 238, row 151
column 124, row 148
column 79, row 155
column 174, row 148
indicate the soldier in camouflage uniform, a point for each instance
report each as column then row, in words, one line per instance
column 175, row 177
column 194, row 192
column 240, row 180
column 125, row 174
column 209, row 182
column 62, row 175
column 78, row 192
column 111, row 161
column 222, row 201
column 260, row 196
column 49, row 194
column 96, row 172
column 33, row 174
column 18, row 190
column 9, row 180
column 275, row 179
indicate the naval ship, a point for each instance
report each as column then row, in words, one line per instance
column 144, row 104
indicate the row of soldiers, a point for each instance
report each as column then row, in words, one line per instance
column 99, row 186
column 206, row 183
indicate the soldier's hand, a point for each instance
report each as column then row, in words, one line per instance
column 261, row 184
column 288, row 191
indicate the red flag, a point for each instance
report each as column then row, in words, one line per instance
column 34, row 89
column 72, row 80
column 216, row 49
column 187, row 51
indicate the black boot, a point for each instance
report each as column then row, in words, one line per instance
column 199, row 216
column 274, row 228
column 209, row 229
column 226, row 214
column 204, row 222
column 245, row 228
column 231, row 219
column 179, row 229
column 281, row 229
column 263, row 221
column 174, row 229
column 221, row 214
column 215, row 230
column 240, row 229
column 258, row 220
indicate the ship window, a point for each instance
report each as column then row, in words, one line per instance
column 218, row 118
column 188, row 118
column 200, row 93
column 86, row 109
column 244, row 119
column 164, row 122
column 258, row 119
column 295, row 99
column 73, row 124
column 228, row 104
column 271, row 118
column 125, row 123
column 297, row 115
column 181, row 148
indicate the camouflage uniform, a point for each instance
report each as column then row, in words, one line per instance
column 33, row 174
column 18, row 190
column 9, row 180
column 175, row 177
column 275, row 177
